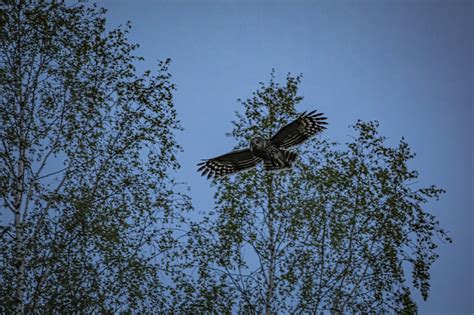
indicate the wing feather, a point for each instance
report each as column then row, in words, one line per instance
column 300, row 130
column 229, row 163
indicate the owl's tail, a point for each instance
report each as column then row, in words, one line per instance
column 286, row 160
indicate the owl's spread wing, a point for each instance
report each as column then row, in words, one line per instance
column 229, row 163
column 300, row 130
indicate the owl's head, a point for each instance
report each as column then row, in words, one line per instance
column 257, row 142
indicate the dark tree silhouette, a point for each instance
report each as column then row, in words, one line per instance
column 86, row 147
column 338, row 232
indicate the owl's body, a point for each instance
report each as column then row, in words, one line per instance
column 274, row 158
column 271, row 151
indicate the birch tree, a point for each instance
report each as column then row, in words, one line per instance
column 337, row 233
column 87, row 145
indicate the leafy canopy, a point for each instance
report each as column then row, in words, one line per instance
column 338, row 232
column 87, row 146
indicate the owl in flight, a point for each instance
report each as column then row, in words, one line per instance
column 273, row 152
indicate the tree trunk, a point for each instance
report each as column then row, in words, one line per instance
column 19, row 252
column 19, row 244
column 271, row 245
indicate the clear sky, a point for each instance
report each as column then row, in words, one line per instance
column 407, row 64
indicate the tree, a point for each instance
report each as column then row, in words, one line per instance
column 339, row 232
column 87, row 145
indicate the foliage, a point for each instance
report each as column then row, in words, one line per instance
column 338, row 232
column 86, row 149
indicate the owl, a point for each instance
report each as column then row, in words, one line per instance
column 273, row 152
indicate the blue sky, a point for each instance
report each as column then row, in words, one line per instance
column 407, row 64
